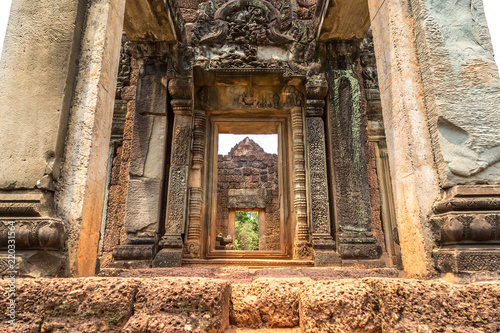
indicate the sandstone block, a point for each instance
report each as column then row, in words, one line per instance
column 174, row 304
column 374, row 305
column 142, row 211
column 29, row 307
column 266, row 302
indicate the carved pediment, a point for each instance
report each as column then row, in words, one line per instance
column 255, row 22
column 253, row 34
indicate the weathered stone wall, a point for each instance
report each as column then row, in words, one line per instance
column 114, row 233
column 375, row 131
column 248, row 166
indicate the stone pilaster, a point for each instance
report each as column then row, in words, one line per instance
column 146, row 170
column 348, row 155
column 302, row 241
column 319, row 207
column 177, row 200
column 192, row 247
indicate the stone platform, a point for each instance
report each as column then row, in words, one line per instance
column 235, row 299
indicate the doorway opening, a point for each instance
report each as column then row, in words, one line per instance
column 246, row 230
column 248, row 215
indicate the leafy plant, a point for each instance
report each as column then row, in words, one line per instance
column 246, row 231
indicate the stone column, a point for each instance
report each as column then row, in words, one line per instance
column 348, row 162
column 56, row 120
column 319, row 211
column 147, row 159
column 440, row 93
column 193, row 238
column 171, row 243
column 302, row 249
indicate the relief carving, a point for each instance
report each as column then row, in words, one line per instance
column 264, row 98
column 34, row 234
column 182, row 139
column 241, row 21
column 291, row 97
column 176, row 203
column 200, row 126
column 245, row 28
column 317, row 171
column 192, row 246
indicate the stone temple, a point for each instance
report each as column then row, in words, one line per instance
column 386, row 119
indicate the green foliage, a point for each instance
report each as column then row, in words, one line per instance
column 246, row 231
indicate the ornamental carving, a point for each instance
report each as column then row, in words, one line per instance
column 182, row 139
column 317, row 176
column 176, row 204
column 241, row 21
column 234, row 33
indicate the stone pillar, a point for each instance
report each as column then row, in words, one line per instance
column 192, row 245
column 348, row 162
column 57, row 123
column 440, row 93
column 302, row 249
column 462, row 97
column 147, row 159
column 171, row 243
column 319, row 211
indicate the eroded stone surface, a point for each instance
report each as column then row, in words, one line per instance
column 374, row 305
column 266, row 302
column 110, row 304
column 144, row 213
column 169, row 304
column 173, row 304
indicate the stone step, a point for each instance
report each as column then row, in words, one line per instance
column 239, row 273
column 262, row 330
column 250, row 263
column 265, row 304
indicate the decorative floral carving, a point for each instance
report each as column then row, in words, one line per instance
column 176, row 203
column 182, row 139
column 317, row 176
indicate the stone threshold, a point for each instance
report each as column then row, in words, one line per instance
column 250, row 263
column 248, row 274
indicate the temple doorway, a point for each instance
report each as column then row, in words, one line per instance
column 248, row 214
